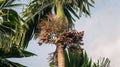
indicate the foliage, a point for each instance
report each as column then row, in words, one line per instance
column 80, row 59
column 104, row 62
column 7, row 63
column 11, row 28
column 12, row 35
column 13, row 53
column 43, row 7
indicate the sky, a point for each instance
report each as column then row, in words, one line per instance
column 101, row 37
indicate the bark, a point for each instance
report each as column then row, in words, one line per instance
column 61, row 58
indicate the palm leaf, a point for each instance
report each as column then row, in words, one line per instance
column 81, row 60
column 7, row 4
column 15, row 53
column 72, row 10
column 7, row 63
column 12, row 27
column 103, row 62
column 12, row 35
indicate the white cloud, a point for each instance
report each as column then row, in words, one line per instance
column 102, row 32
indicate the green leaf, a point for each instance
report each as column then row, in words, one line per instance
column 7, row 63
column 15, row 53
column 67, row 59
column 71, row 10
column 67, row 14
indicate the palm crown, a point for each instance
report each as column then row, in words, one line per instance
column 59, row 25
column 38, row 9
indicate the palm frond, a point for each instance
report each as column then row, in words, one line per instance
column 15, row 52
column 8, row 4
column 11, row 28
column 82, row 60
column 102, row 62
column 12, row 35
column 7, row 63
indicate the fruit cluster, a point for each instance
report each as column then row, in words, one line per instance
column 72, row 37
column 66, row 38
column 56, row 31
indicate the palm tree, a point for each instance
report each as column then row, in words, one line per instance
column 11, row 35
column 80, row 59
column 62, row 10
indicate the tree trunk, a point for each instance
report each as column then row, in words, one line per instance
column 61, row 58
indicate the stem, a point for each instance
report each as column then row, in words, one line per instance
column 61, row 58
column 60, row 11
